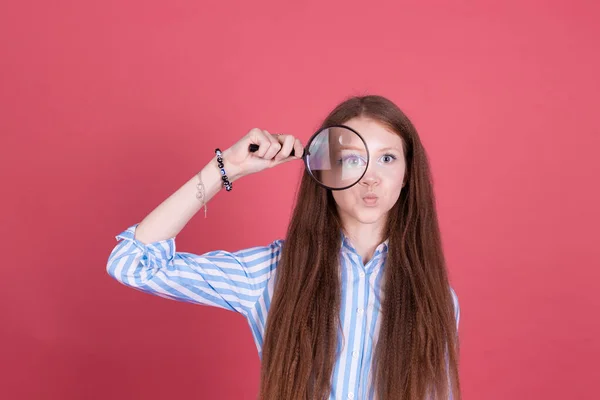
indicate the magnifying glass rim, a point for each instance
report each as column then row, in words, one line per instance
column 306, row 154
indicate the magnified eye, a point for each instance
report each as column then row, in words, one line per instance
column 352, row 161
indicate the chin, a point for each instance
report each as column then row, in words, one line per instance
column 369, row 217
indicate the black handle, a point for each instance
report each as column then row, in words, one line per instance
column 254, row 147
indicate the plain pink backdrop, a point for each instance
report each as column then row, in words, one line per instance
column 107, row 107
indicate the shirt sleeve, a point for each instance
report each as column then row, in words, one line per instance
column 229, row 280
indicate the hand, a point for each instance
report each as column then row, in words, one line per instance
column 273, row 150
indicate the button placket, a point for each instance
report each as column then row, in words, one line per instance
column 355, row 353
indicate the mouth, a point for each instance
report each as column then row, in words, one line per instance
column 370, row 199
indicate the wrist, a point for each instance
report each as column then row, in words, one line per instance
column 233, row 172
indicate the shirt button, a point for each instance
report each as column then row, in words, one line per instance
column 355, row 354
column 360, row 311
column 361, row 273
column 350, row 395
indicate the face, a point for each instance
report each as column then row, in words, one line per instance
column 370, row 200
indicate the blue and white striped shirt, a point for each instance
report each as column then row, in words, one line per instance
column 242, row 281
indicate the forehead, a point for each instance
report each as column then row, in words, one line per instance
column 376, row 134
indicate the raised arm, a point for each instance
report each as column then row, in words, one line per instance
column 146, row 258
column 171, row 216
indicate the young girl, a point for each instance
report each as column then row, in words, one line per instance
column 355, row 303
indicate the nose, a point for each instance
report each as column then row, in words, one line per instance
column 371, row 177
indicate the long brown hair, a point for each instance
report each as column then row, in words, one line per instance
column 417, row 349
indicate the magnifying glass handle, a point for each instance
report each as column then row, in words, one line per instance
column 254, row 147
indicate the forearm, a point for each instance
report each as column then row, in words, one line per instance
column 173, row 214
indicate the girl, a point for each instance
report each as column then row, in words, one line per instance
column 355, row 303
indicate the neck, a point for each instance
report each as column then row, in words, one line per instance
column 364, row 237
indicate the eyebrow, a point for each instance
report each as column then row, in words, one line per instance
column 352, row 148
column 362, row 148
column 390, row 148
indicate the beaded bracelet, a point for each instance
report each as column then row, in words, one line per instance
column 226, row 182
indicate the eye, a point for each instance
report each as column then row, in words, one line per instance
column 388, row 158
column 352, row 161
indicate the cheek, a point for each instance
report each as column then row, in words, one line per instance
column 347, row 200
column 393, row 174
column 392, row 192
column 393, row 180
column 395, row 195
column 344, row 198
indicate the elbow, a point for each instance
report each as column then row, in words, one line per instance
column 135, row 264
column 111, row 269
column 126, row 266
column 115, row 269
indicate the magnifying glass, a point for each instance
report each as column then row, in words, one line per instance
column 336, row 157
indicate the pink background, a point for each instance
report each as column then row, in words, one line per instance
column 107, row 107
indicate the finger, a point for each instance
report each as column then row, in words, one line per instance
column 259, row 138
column 298, row 148
column 274, row 147
column 287, row 144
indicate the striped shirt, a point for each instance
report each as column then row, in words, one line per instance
column 242, row 282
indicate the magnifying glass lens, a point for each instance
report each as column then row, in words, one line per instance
column 337, row 157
